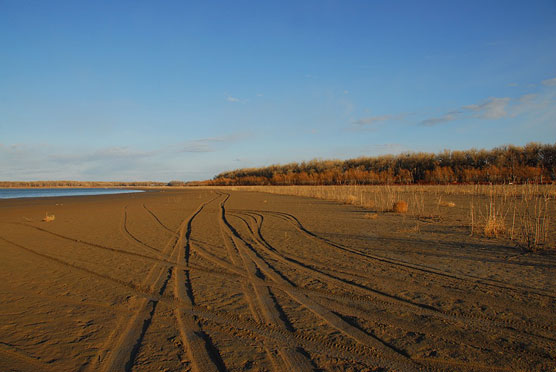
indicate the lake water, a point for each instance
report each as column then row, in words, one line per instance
column 40, row 193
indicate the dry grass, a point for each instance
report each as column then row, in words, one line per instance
column 533, row 224
column 400, row 207
column 494, row 227
column 49, row 218
column 448, row 204
column 520, row 213
column 527, row 213
column 351, row 199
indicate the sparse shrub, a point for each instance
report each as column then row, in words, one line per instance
column 49, row 218
column 533, row 221
column 494, row 226
column 176, row 183
column 447, row 204
column 368, row 204
column 351, row 199
column 400, row 207
column 492, row 216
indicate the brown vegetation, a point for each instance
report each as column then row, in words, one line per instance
column 520, row 213
column 446, row 203
column 508, row 164
column 370, row 216
column 49, row 218
column 30, row 184
column 400, row 207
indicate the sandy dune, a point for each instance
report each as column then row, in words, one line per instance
column 207, row 280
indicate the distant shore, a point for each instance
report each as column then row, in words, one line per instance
column 82, row 187
column 78, row 184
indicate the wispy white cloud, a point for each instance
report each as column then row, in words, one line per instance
column 532, row 104
column 372, row 120
column 234, row 99
column 47, row 162
column 440, row 119
column 372, row 123
column 549, row 82
column 384, row 148
column 41, row 161
column 208, row 144
column 200, row 145
column 107, row 153
column 493, row 108
column 527, row 98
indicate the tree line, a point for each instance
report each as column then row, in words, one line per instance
column 533, row 162
column 30, row 184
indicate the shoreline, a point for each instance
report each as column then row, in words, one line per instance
column 18, row 194
column 100, row 259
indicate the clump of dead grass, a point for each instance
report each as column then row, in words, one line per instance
column 400, row 207
column 446, row 204
column 351, row 199
column 49, row 218
column 524, row 220
column 494, row 226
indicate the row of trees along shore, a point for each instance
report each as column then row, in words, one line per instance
column 506, row 164
column 79, row 184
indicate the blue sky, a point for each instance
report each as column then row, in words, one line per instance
column 162, row 90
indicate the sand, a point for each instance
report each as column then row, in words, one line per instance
column 201, row 280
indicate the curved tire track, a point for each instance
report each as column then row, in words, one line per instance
column 424, row 269
column 386, row 354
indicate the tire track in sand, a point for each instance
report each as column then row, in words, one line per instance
column 143, row 257
column 121, row 356
column 266, row 309
column 425, row 269
column 12, row 353
column 158, row 221
column 519, row 329
column 313, row 343
column 385, row 354
column 202, row 353
column 132, row 238
column 478, row 320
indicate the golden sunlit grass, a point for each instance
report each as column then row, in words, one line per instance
column 520, row 213
column 400, row 207
column 494, row 227
column 522, row 217
column 446, row 204
column 370, row 216
column 49, row 218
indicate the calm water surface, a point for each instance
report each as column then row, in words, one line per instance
column 39, row 193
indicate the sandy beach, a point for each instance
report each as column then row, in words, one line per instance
column 214, row 280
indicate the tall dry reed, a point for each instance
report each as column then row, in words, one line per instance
column 520, row 213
